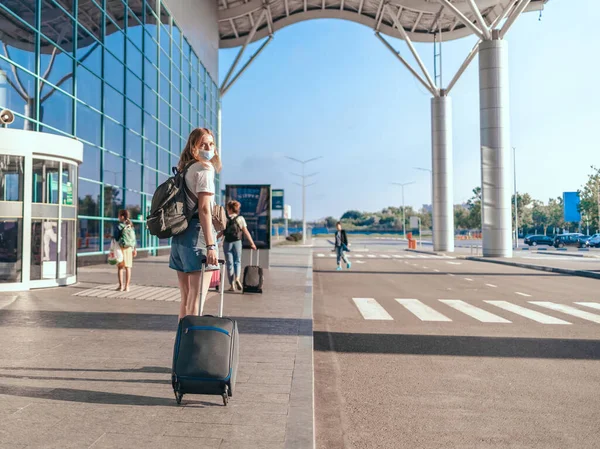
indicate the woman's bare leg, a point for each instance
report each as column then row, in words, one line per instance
column 127, row 278
column 120, row 276
column 184, row 288
column 193, row 293
column 205, row 286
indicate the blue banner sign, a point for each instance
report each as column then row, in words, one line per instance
column 277, row 199
column 571, row 207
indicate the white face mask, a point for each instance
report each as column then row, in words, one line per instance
column 208, row 155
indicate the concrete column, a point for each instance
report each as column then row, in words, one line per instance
column 442, row 189
column 495, row 148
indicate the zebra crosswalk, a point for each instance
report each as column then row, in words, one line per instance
column 385, row 256
column 487, row 311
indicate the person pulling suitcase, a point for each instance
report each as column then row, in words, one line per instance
column 253, row 276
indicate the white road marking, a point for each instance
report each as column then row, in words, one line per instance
column 593, row 305
column 372, row 256
column 450, row 274
column 422, row 311
column 398, row 257
column 454, row 263
column 527, row 313
column 359, row 255
column 359, row 261
column 492, row 285
column 410, row 256
column 469, row 279
column 385, row 256
column 320, row 255
column 371, row 309
column 523, row 294
column 568, row 310
column 332, row 255
column 427, row 268
column 479, row 314
column 437, row 271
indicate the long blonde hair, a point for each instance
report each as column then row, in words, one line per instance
column 192, row 147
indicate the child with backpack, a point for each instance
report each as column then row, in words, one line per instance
column 233, row 235
column 125, row 237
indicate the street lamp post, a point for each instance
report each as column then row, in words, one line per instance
column 403, row 204
column 304, row 186
column 516, row 210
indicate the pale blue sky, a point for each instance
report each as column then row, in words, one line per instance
column 330, row 88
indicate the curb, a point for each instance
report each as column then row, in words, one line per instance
column 434, row 253
column 582, row 254
column 580, row 273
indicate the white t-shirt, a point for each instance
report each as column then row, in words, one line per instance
column 241, row 221
column 200, row 178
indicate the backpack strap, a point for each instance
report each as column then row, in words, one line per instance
column 188, row 191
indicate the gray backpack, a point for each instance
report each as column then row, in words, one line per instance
column 169, row 213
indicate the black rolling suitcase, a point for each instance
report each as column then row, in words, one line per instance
column 206, row 353
column 253, row 276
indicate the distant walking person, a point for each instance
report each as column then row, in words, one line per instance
column 125, row 237
column 341, row 245
column 234, row 235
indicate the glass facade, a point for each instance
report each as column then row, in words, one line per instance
column 120, row 77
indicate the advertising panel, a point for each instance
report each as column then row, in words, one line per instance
column 571, row 207
column 255, row 203
column 277, row 199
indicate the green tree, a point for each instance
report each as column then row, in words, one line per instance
column 474, row 207
column 539, row 216
column 351, row 215
column 461, row 217
column 590, row 197
column 555, row 213
column 330, row 222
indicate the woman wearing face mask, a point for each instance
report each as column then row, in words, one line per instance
column 199, row 241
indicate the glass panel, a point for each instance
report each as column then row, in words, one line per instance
column 150, row 156
column 113, row 169
column 134, row 204
column 134, row 58
column 89, row 199
column 175, row 143
column 134, row 176
column 134, row 146
column 165, row 87
column 89, row 124
column 44, row 236
column 115, row 42
column 134, row 87
column 113, row 71
column 69, row 184
column 113, row 136
column 134, row 117
column 11, row 178
column 150, row 75
column 56, row 108
column 89, row 52
column 165, row 39
column 63, row 34
column 66, row 266
column 113, row 103
column 11, row 238
column 150, row 128
column 111, row 228
column 28, row 15
column 88, row 240
column 175, row 119
column 20, row 34
column 90, row 16
column 163, row 161
column 116, row 11
column 89, row 88
column 163, row 138
column 45, row 181
column 151, row 49
column 165, row 64
column 150, row 101
column 113, row 201
column 149, row 181
column 139, row 228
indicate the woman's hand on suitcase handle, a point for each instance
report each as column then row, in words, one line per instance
column 211, row 257
column 253, row 246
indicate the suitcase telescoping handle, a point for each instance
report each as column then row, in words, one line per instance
column 221, row 263
column 257, row 256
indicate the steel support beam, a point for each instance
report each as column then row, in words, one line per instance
column 513, row 17
column 495, row 148
column 224, row 89
column 442, row 173
column 482, row 25
column 463, row 18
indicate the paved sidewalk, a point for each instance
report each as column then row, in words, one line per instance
column 94, row 371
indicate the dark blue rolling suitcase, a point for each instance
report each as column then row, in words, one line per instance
column 206, row 353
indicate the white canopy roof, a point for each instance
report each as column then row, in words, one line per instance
column 421, row 19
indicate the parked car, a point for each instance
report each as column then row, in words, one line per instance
column 534, row 240
column 572, row 239
column 593, row 241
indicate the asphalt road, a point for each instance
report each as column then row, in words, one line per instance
column 411, row 371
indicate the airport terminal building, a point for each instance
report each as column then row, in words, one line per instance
column 118, row 84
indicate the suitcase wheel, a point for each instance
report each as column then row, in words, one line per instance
column 178, row 397
column 225, row 395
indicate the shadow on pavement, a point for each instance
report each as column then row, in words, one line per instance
column 467, row 346
column 145, row 369
column 87, row 379
column 93, row 397
column 143, row 322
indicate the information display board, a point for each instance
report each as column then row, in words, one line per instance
column 277, row 195
column 255, row 203
column 571, row 207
